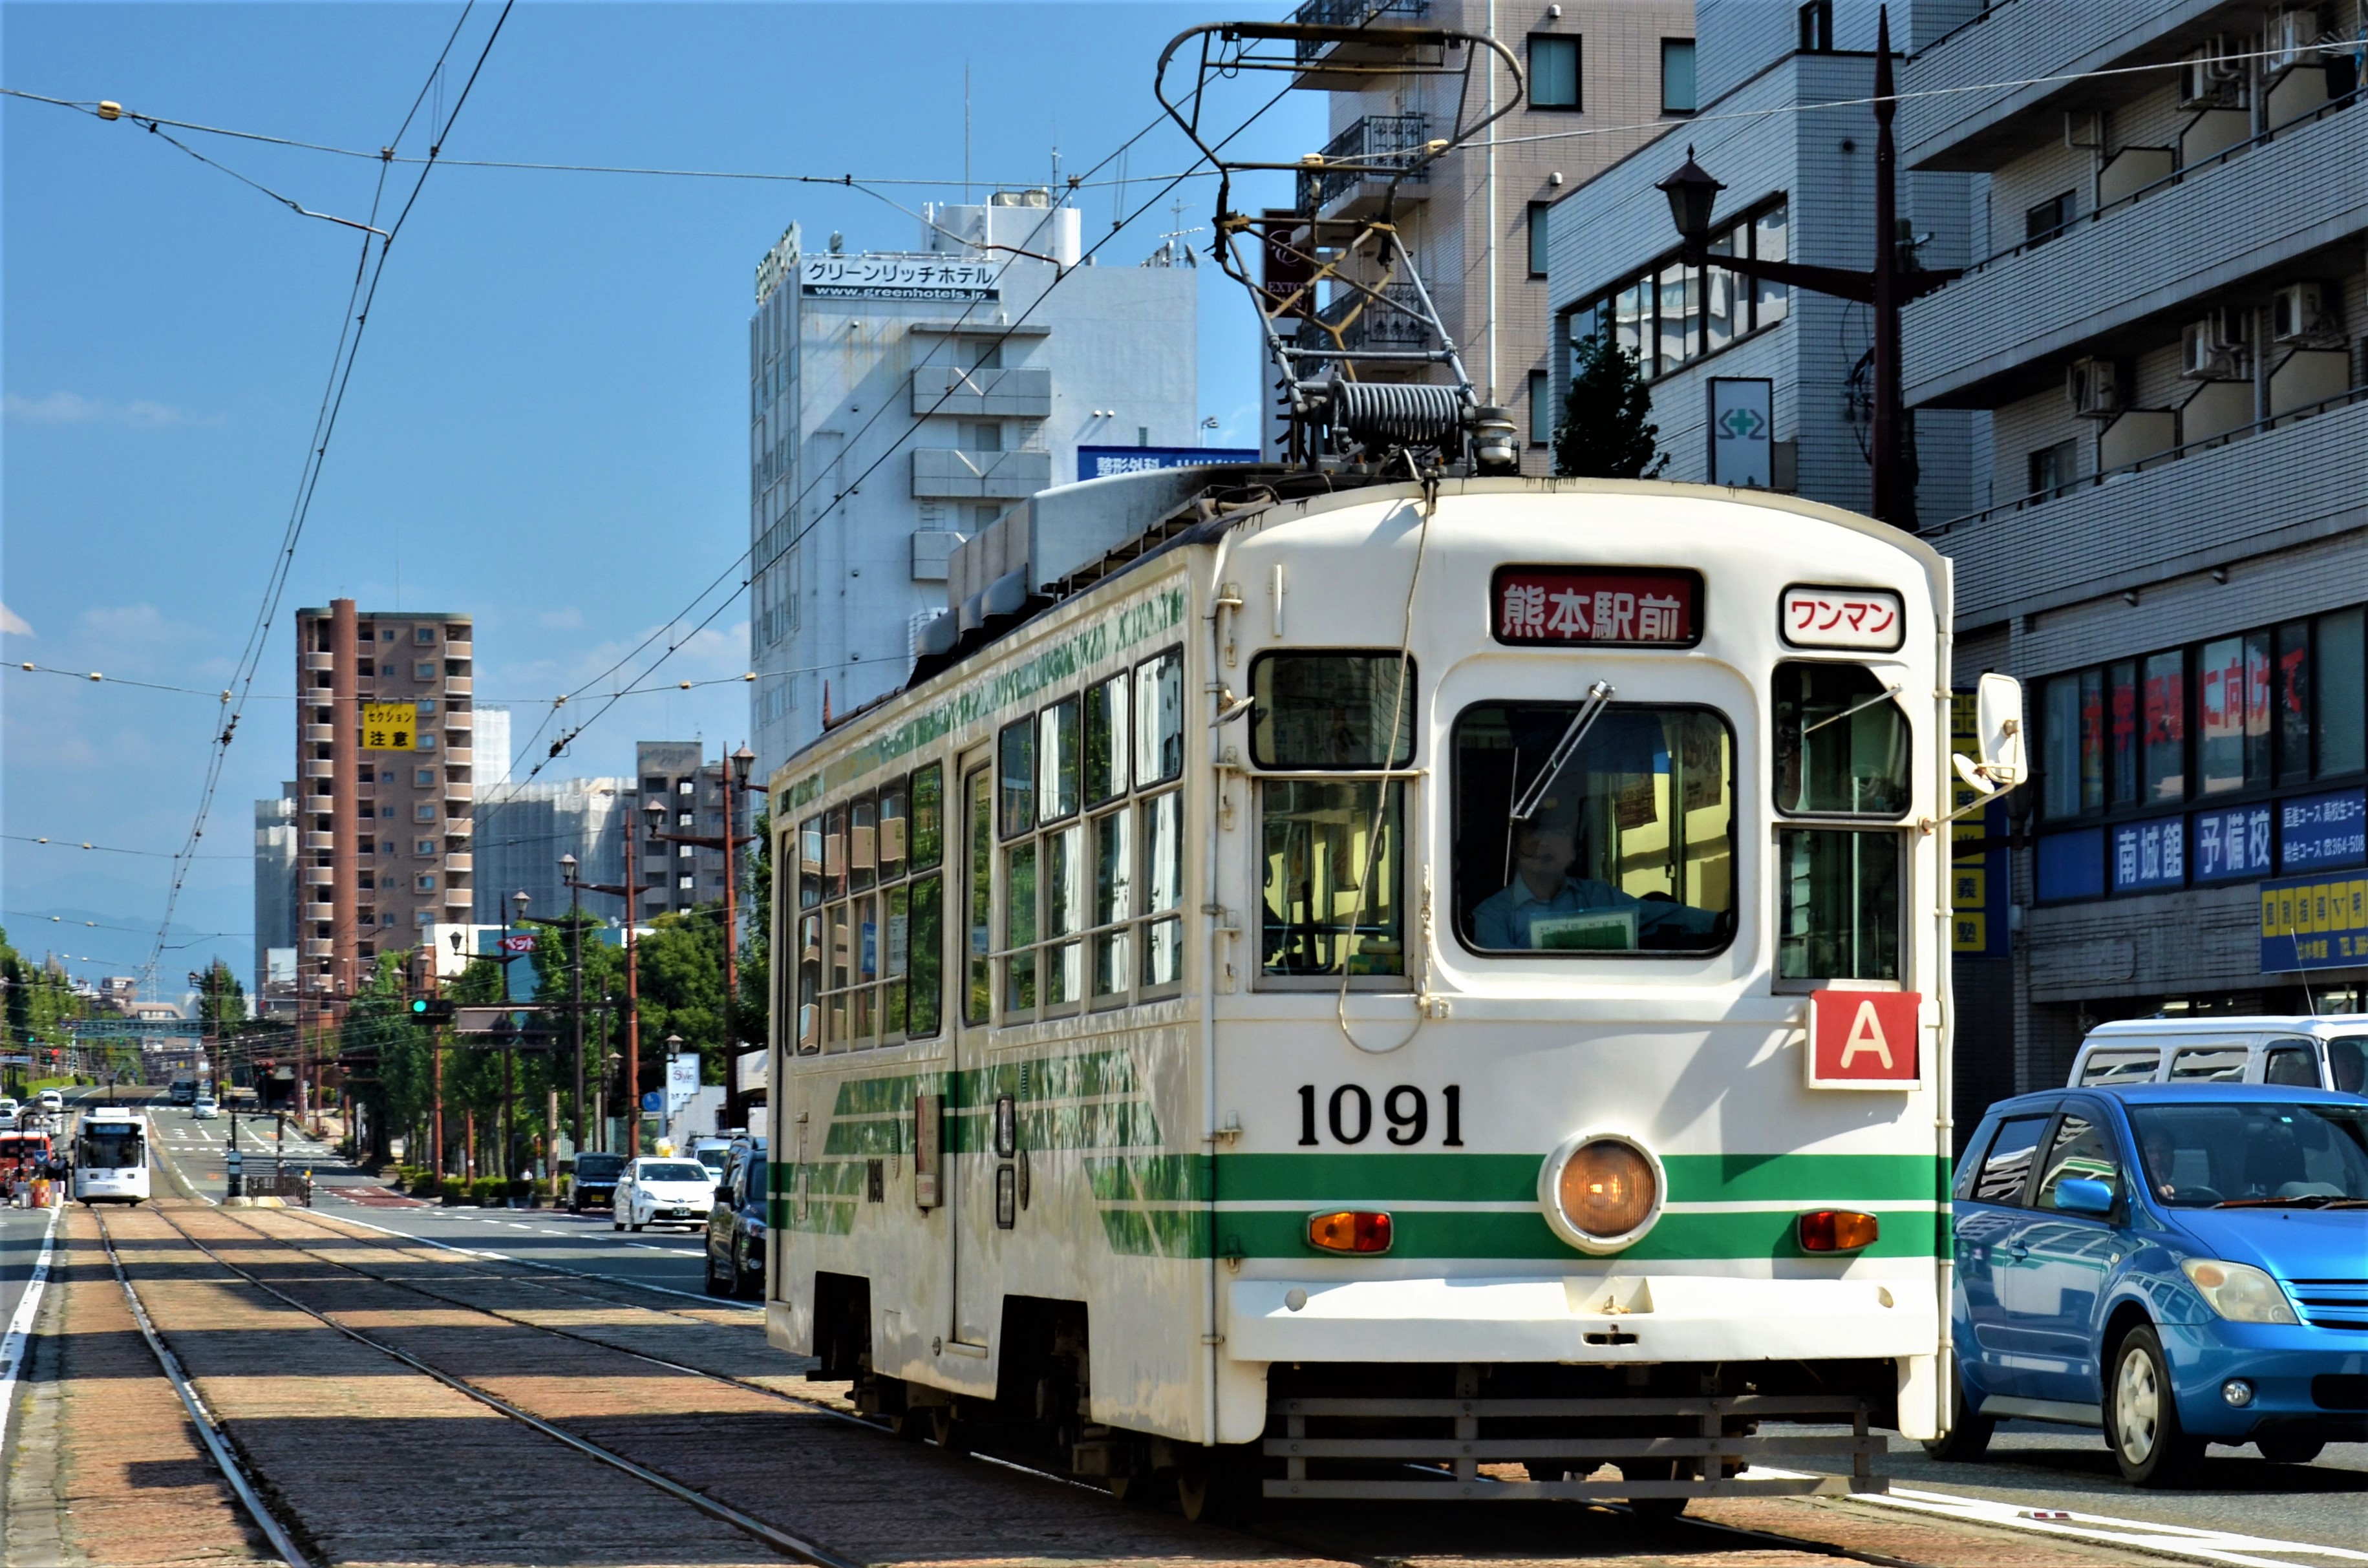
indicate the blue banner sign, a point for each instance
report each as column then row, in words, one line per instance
column 1100, row 462
column 2314, row 922
column 2150, row 855
column 2072, row 865
column 2322, row 831
column 2232, row 845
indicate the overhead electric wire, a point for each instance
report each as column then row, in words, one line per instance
column 113, row 849
column 365, row 292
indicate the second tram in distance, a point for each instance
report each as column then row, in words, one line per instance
column 1365, row 983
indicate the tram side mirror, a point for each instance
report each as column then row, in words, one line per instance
column 1998, row 731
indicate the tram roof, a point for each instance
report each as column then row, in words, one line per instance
column 1200, row 505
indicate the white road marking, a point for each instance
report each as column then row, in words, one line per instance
column 20, row 1326
column 2143, row 1535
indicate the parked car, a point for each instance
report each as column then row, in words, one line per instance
column 203, row 1108
column 2328, row 1051
column 714, row 1152
column 593, row 1183
column 8, row 1108
column 664, row 1190
column 735, row 1226
column 2179, row 1264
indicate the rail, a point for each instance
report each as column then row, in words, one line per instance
column 2156, row 460
column 2176, row 176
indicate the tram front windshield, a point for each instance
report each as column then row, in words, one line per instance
column 1629, row 846
column 109, row 1146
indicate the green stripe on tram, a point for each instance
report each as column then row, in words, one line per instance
column 1513, row 1178
column 1495, row 1233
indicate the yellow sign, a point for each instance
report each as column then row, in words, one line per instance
column 389, row 726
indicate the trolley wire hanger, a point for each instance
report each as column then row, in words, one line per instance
column 1350, row 363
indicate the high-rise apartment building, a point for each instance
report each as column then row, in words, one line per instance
column 676, row 877
column 1602, row 80
column 900, row 401
column 524, row 829
column 386, row 816
column 2161, row 339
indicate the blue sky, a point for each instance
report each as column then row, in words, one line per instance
column 546, row 427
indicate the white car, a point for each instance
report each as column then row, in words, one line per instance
column 203, row 1108
column 7, row 1111
column 52, row 1101
column 664, row 1191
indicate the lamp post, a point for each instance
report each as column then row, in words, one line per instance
column 1887, row 287
column 633, row 985
column 735, row 780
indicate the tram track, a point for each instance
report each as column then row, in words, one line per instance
column 1283, row 1537
column 784, row 1541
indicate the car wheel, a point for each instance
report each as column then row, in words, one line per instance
column 2142, row 1414
column 2288, row 1451
column 616, row 1224
column 1968, row 1436
column 715, row 1285
column 746, row 1283
column 635, row 1227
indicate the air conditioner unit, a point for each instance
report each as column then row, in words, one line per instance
column 2210, row 79
column 2212, row 350
column 2094, row 387
column 2293, row 34
column 2298, row 313
column 2083, row 131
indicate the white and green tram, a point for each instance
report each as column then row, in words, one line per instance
column 1370, row 990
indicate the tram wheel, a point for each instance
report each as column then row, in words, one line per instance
column 1146, row 1489
column 1216, row 1493
column 945, row 1431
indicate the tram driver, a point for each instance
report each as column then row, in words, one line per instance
column 1546, row 907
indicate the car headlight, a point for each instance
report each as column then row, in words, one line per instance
column 1602, row 1191
column 2238, row 1291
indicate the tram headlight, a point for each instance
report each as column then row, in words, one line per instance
column 1602, row 1191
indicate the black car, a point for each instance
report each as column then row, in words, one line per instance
column 595, row 1182
column 735, row 1226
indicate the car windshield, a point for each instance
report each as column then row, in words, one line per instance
column 599, row 1167
column 713, row 1158
column 2255, row 1155
column 674, row 1170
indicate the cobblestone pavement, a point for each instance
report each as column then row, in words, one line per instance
column 371, row 1461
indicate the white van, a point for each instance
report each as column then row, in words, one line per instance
column 2328, row 1051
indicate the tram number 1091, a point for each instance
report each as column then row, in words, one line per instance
column 1349, row 1115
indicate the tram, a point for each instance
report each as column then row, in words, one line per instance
column 110, row 1156
column 1370, row 988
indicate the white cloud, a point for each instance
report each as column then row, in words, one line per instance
column 13, row 624
column 73, row 408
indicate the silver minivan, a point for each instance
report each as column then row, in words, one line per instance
column 2328, row 1051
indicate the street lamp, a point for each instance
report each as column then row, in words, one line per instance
column 1886, row 287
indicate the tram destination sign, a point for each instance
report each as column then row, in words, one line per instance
column 1554, row 607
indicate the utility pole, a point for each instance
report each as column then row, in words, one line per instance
column 735, row 780
column 576, row 987
column 632, row 983
column 436, row 1077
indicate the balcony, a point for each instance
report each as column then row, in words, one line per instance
column 459, row 686
column 1020, row 391
column 459, row 860
column 320, row 912
column 460, row 898
column 463, row 719
column 320, row 734
column 457, row 647
column 1317, row 53
column 2191, row 508
column 320, row 768
column 943, row 474
column 320, row 876
column 319, row 947
column 319, row 662
column 459, row 827
column 1376, row 326
column 458, row 756
column 1390, row 140
column 1957, row 122
column 2259, row 207
column 320, row 841
column 457, row 794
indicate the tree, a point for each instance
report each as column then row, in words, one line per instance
column 1605, row 432
column 752, row 1009
column 221, row 1000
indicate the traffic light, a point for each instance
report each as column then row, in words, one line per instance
column 429, row 1010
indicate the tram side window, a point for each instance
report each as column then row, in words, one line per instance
column 871, row 899
column 1628, row 846
column 1839, row 901
column 1092, row 871
column 1332, row 849
column 1842, row 744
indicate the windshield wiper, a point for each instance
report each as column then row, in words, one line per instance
column 1599, row 697
column 2307, row 1201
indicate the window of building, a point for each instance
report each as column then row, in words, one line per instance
column 387, row 635
column 2047, row 219
column 1816, row 19
column 687, row 787
column 1677, row 75
column 1554, row 71
column 424, row 883
column 2050, row 469
column 2342, row 694
column 2165, row 718
column 683, row 883
column 423, row 812
column 654, row 786
column 423, row 635
column 982, row 436
column 1669, row 314
column 426, row 706
column 986, row 353
column 424, row 847
column 423, row 671
column 1541, row 409
column 421, row 776
column 1538, row 210
column 2076, row 740
column 1628, row 847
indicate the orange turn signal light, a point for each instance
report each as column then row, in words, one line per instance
column 1837, row 1230
column 1350, row 1229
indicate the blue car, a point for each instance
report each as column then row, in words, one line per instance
column 2179, row 1264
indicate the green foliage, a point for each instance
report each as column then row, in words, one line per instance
column 490, row 1192
column 1606, row 430
column 221, row 1000
column 752, row 1009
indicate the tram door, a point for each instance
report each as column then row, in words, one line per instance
column 969, row 1166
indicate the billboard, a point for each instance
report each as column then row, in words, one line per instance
column 1100, row 462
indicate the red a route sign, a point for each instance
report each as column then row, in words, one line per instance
column 1863, row 1039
